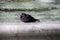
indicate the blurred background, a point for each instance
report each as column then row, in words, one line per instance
column 55, row 1
column 47, row 11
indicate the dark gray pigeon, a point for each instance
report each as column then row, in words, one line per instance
column 27, row 18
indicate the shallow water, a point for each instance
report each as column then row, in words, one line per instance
column 47, row 16
column 11, row 28
column 11, row 20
